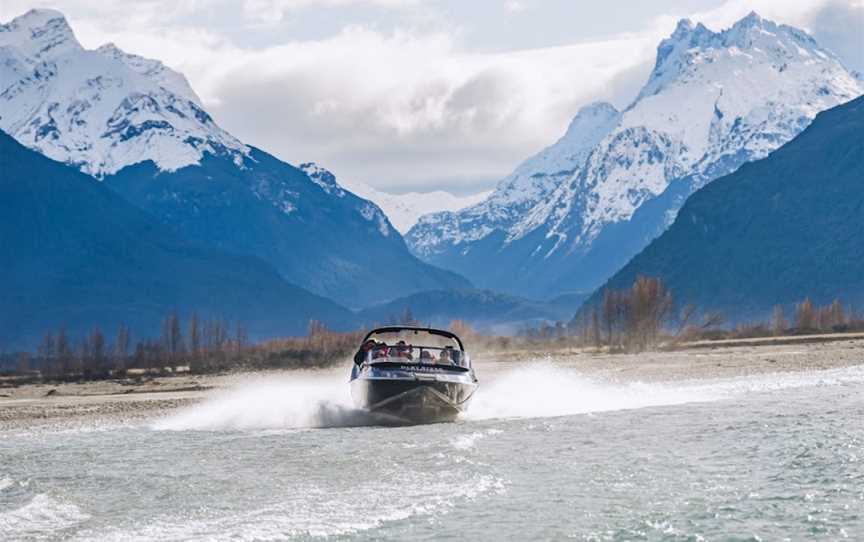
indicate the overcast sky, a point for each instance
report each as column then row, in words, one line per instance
column 413, row 94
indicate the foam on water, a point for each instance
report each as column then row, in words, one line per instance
column 319, row 513
column 6, row 483
column 42, row 515
column 544, row 390
column 296, row 401
column 537, row 390
column 468, row 441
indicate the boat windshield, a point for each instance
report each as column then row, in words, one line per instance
column 421, row 355
column 416, row 347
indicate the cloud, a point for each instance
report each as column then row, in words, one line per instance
column 276, row 10
column 840, row 27
column 402, row 106
column 405, row 111
column 514, row 6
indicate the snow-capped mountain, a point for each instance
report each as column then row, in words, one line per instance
column 402, row 210
column 713, row 101
column 138, row 126
column 77, row 255
column 771, row 233
column 518, row 193
column 101, row 110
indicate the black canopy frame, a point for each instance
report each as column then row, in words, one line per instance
column 431, row 331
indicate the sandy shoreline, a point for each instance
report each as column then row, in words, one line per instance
column 94, row 403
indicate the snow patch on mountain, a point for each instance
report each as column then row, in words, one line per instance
column 404, row 210
column 529, row 184
column 368, row 208
column 713, row 101
column 153, row 70
column 323, row 178
column 100, row 110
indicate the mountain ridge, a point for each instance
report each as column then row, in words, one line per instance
column 714, row 101
column 139, row 127
column 77, row 255
column 773, row 232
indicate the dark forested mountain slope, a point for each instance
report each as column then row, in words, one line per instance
column 571, row 216
column 777, row 230
column 138, row 125
column 75, row 254
column 314, row 232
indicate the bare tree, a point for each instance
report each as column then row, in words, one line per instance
column 194, row 335
column 778, row 320
column 407, row 318
column 45, row 352
column 712, row 319
column 684, row 317
column 613, row 311
column 121, row 347
column 241, row 338
column 22, row 364
column 98, row 358
column 195, row 354
column 63, row 353
column 649, row 305
column 805, row 315
column 215, row 334
column 837, row 314
column 172, row 337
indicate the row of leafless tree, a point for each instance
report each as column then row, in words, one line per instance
column 633, row 319
column 809, row 317
column 630, row 319
column 642, row 316
column 95, row 356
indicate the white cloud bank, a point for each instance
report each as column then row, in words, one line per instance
column 403, row 108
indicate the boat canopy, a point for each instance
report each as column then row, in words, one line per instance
column 433, row 337
column 412, row 345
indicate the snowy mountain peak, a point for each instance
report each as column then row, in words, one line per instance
column 323, row 178
column 713, row 101
column 100, row 110
column 752, row 19
column 596, row 112
column 531, row 183
column 154, row 70
column 39, row 33
column 691, row 46
column 402, row 210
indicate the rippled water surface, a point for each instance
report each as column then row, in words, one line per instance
column 544, row 454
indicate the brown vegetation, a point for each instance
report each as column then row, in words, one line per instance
column 639, row 318
column 206, row 346
column 642, row 318
column 632, row 319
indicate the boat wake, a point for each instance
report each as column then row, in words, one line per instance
column 543, row 390
column 31, row 515
column 284, row 402
column 531, row 391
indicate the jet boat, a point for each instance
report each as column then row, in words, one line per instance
column 411, row 375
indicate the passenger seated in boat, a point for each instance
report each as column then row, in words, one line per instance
column 361, row 354
column 426, row 357
column 450, row 355
column 381, row 351
column 444, row 358
column 401, row 350
column 456, row 357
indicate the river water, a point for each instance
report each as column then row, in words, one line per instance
column 544, row 454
